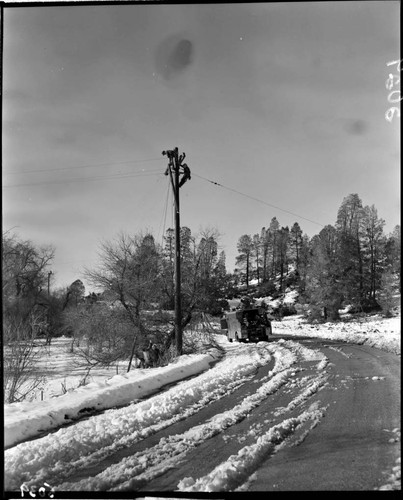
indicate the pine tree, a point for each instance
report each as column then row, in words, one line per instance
column 348, row 224
column 296, row 244
column 282, row 254
column 245, row 249
column 265, row 243
column 304, row 258
column 324, row 286
column 387, row 294
column 373, row 241
column 257, row 254
column 273, row 237
column 393, row 254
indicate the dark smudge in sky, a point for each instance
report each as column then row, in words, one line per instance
column 356, row 127
column 174, row 54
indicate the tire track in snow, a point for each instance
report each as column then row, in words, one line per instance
column 146, row 464
column 61, row 454
column 312, row 388
column 235, row 471
column 48, row 457
column 133, row 472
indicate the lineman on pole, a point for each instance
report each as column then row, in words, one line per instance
column 174, row 170
column 185, row 176
column 183, row 169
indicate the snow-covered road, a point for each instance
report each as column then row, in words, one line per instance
column 213, row 432
column 62, row 454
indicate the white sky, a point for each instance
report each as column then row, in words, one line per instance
column 284, row 102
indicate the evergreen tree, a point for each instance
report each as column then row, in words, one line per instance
column 393, row 254
column 265, row 243
column 348, row 226
column 304, row 258
column 296, row 243
column 324, row 286
column 283, row 246
column 388, row 292
column 257, row 255
column 371, row 233
column 244, row 259
column 207, row 251
column 273, row 237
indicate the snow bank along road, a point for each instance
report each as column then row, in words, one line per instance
column 301, row 413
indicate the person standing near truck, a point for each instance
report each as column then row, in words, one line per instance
column 246, row 303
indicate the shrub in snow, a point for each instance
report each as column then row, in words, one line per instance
column 21, row 377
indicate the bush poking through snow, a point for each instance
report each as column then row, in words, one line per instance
column 20, row 376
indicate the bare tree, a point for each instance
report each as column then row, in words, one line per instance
column 21, row 378
column 203, row 274
column 129, row 273
column 24, row 269
column 25, row 304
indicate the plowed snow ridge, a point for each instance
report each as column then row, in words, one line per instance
column 60, row 454
column 65, row 452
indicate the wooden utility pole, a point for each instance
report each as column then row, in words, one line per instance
column 175, row 168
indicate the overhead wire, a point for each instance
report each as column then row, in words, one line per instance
column 173, row 209
column 93, row 165
column 164, row 217
column 86, row 179
column 138, row 173
column 256, row 199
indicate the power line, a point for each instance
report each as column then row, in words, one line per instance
column 257, row 199
column 163, row 221
column 85, row 179
column 95, row 165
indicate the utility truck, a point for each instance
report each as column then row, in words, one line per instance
column 247, row 325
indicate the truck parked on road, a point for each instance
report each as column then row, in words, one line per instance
column 247, row 325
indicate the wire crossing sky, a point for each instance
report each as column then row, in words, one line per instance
column 259, row 201
column 82, row 166
column 282, row 109
column 85, row 179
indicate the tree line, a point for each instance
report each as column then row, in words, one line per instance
column 135, row 279
column 351, row 262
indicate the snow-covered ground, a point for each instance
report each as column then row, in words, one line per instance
column 375, row 331
column 28, row 419
column 61, row 454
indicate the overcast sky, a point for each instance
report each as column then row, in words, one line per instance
column 284, row 102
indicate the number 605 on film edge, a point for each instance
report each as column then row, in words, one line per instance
column 41, row 491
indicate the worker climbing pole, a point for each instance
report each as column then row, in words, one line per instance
column 179, row 173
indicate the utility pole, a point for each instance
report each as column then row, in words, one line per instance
column 175, row 168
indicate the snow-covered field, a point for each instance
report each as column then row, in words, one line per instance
column 61, row 454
